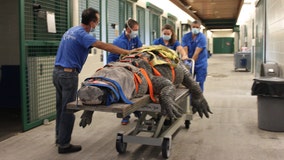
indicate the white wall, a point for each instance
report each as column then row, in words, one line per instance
column 209, row 36
column 223, row 34
column 275, row 32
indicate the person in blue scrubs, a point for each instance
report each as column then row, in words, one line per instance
column 195, row 44
column 70, row 58
column 128, row 39
column 169, row 40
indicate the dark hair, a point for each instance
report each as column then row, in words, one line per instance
column 196, row 22
column 130, row 23
column 88, row 15
column 173, row 38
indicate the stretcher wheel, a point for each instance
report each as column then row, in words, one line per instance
column 166, row 147
column 187, row 124
column 120, row 145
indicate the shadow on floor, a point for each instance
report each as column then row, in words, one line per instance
column 10, row 122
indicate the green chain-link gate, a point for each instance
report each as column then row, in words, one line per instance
column 38, row 50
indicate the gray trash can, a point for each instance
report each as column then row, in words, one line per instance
column 269, row 69
column 270, row 101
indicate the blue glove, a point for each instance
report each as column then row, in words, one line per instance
column 187, row 64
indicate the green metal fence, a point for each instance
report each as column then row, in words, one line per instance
column 38, row 50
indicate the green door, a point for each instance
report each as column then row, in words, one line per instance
column 39, row 44
column 223, row 45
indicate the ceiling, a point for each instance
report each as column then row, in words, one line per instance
column 214, row 14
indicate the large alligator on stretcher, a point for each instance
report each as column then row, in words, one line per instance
column 154, row 70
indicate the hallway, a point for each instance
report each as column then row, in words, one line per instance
column 231, row 133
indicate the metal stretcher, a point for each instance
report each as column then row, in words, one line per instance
column 152, row 128
column 150, row 121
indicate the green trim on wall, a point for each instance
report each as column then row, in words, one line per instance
column 154, row 8
column 23, row 80
column 172, row 17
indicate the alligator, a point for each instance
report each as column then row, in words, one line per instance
column 153, row 70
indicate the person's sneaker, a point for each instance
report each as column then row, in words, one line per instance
column 125, row 121
column 69, row 149
column 137, row 114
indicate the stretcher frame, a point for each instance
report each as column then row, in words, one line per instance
column 160, row 133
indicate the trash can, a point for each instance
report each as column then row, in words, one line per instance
column 270, row 101
column 242, row 61
column 269, row 69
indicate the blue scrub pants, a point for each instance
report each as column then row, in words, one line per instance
column 200, row 75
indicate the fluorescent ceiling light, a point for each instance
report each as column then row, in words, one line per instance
column 221, row 30
column 246, row 11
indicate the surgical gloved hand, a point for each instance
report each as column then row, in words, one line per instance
column 86, row 118
column 187, row 63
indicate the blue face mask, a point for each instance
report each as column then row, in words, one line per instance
column 195, row 30
column 166, row 37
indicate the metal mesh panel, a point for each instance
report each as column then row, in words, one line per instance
column 164, row 21
column 36, row 22
column 141, row 20
column 155, row 26
column 129, row 8
column 96, row 5
column 112, row 18
column 122, row 13
column 40, row 48
column 40, row 87
column 125, row 12
column 83, row 4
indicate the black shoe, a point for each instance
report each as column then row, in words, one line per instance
column 71, row 148
column 167, row 122
column 137, row 114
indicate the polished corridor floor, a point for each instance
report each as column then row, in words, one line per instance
column 231, row 133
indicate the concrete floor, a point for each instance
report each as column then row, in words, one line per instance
column 231, row 133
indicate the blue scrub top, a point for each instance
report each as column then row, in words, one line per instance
column 122, row 42
column 200, row 42
column 161, row 42
column 74, row 48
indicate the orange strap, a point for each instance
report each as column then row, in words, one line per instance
column 156, row 72
column 137, row 81
column 151, row 90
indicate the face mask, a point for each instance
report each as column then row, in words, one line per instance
column 195, row 30
column 167, row 37
column 133, row 34
column 92, row 29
